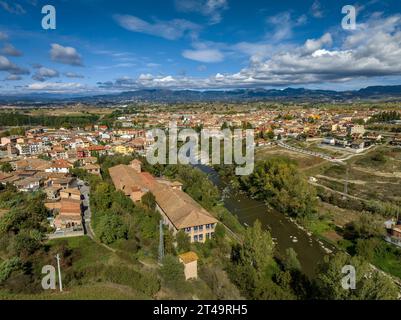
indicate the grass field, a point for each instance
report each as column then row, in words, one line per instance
column 95, row 291
column 304, row 161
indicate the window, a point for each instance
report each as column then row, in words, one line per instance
column 200, row 228
column 201, row 237
column 196, row 228
column 188, row 229
column 196, row 238
column 207, row 235
column 208, row 226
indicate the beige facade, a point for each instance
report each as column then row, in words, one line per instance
column 190, row 262
column 178, row 210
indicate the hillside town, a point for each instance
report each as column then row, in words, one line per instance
column 43, row 157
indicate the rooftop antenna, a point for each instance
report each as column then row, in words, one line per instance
column 161, row 243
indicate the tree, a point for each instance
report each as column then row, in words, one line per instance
column 291, row 261
column 111, row 228
column 252, row 261
column 6, row 167
column 366, row 227
column 169, row 241
column 279, row 182
column 183, row 242
column 149, row 200
column 172, row 272
column 370, row 284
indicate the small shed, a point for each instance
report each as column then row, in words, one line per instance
column 190, row 262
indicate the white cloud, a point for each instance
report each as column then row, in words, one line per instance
column 13, row 77
column 8, row 66
column 316, row 9
column 209, row 8
column 73, row 75
column 10, row 50
column 14, row 8
column 373, row 50
column 57, row 87
column 283, row 24
column 170, row 30
column 204, row 55
column 42, row 74
column 65, row 55
column 312, row 45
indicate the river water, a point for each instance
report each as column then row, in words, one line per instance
column 285, row 233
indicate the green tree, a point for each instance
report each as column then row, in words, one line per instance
column 183, row 242
column 6, row 167
column 172, row 272
column 111, row 228
column 279, row 182
column 149, row 200
column 370, row 284
column 252, row 262
column 291, row 261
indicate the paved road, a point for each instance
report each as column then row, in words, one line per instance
column 85, row 191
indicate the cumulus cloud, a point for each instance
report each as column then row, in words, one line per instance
column 170, row 30
column 204, row 55
column 10, row 50
column 65, row 55
column 312, row 45
column 42, row 74
column 74, row 75
column 210, row 8
column 57, row 87
column 373, row 50
column 13, row 77
column 14, row 8
column 8, row 66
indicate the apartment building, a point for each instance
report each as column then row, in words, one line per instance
column 178, row 210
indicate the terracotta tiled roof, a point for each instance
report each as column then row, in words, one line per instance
column 179, row 207
column 188, row 257
column 70, row 207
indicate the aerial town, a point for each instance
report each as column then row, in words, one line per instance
column 200, row 150
column 67, row 165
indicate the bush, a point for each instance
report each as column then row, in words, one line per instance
column 172, row 272
column 111, row 228
column 146, row 283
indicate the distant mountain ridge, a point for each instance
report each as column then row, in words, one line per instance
column 236, row 95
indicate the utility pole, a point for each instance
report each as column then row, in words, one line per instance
column 346, row 180
column 59, row 272
column 161, row 243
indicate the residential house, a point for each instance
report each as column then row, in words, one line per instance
column 59, row 166
column 69, row 216
column 70, row 193
column 92, row 168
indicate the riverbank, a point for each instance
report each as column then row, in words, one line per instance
column 285, row 233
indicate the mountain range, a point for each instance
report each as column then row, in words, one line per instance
column 238, row 95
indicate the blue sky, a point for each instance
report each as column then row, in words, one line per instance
column 102, row 46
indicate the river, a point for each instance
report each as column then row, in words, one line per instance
column 285, row 233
